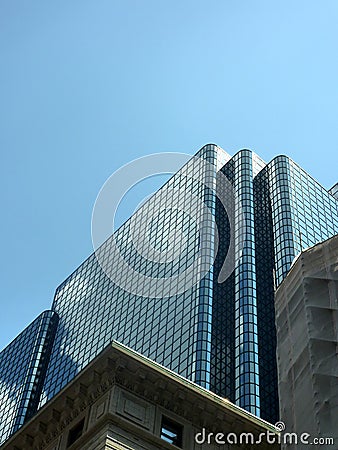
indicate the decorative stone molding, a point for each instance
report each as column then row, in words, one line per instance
column 121, row 388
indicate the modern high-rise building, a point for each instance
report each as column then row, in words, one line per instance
column 23, row 366
column 188, row 281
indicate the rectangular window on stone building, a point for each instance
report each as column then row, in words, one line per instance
column 171, row 432
column 75, row 433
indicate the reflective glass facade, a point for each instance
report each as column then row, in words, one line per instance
column 334, row 191
column 175, row 330
column 23, row 365
column 292, row 212
column 235, row 373
column 219, row 334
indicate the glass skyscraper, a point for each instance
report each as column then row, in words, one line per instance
column 23, row 365
column 187, row 281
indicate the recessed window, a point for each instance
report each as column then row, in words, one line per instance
column 171, row 432
column 75, row 433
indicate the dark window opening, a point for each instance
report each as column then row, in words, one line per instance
column 75, row 433
column 171, row 432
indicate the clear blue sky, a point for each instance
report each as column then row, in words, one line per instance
column 86, row 86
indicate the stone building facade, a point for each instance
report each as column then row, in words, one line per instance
column 124, row 401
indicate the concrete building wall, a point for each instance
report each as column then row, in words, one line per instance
column 307, row 344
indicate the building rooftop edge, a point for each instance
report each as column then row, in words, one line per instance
column 152, row 365
column 297, row 258
column 191, row 385
column 28, row 325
